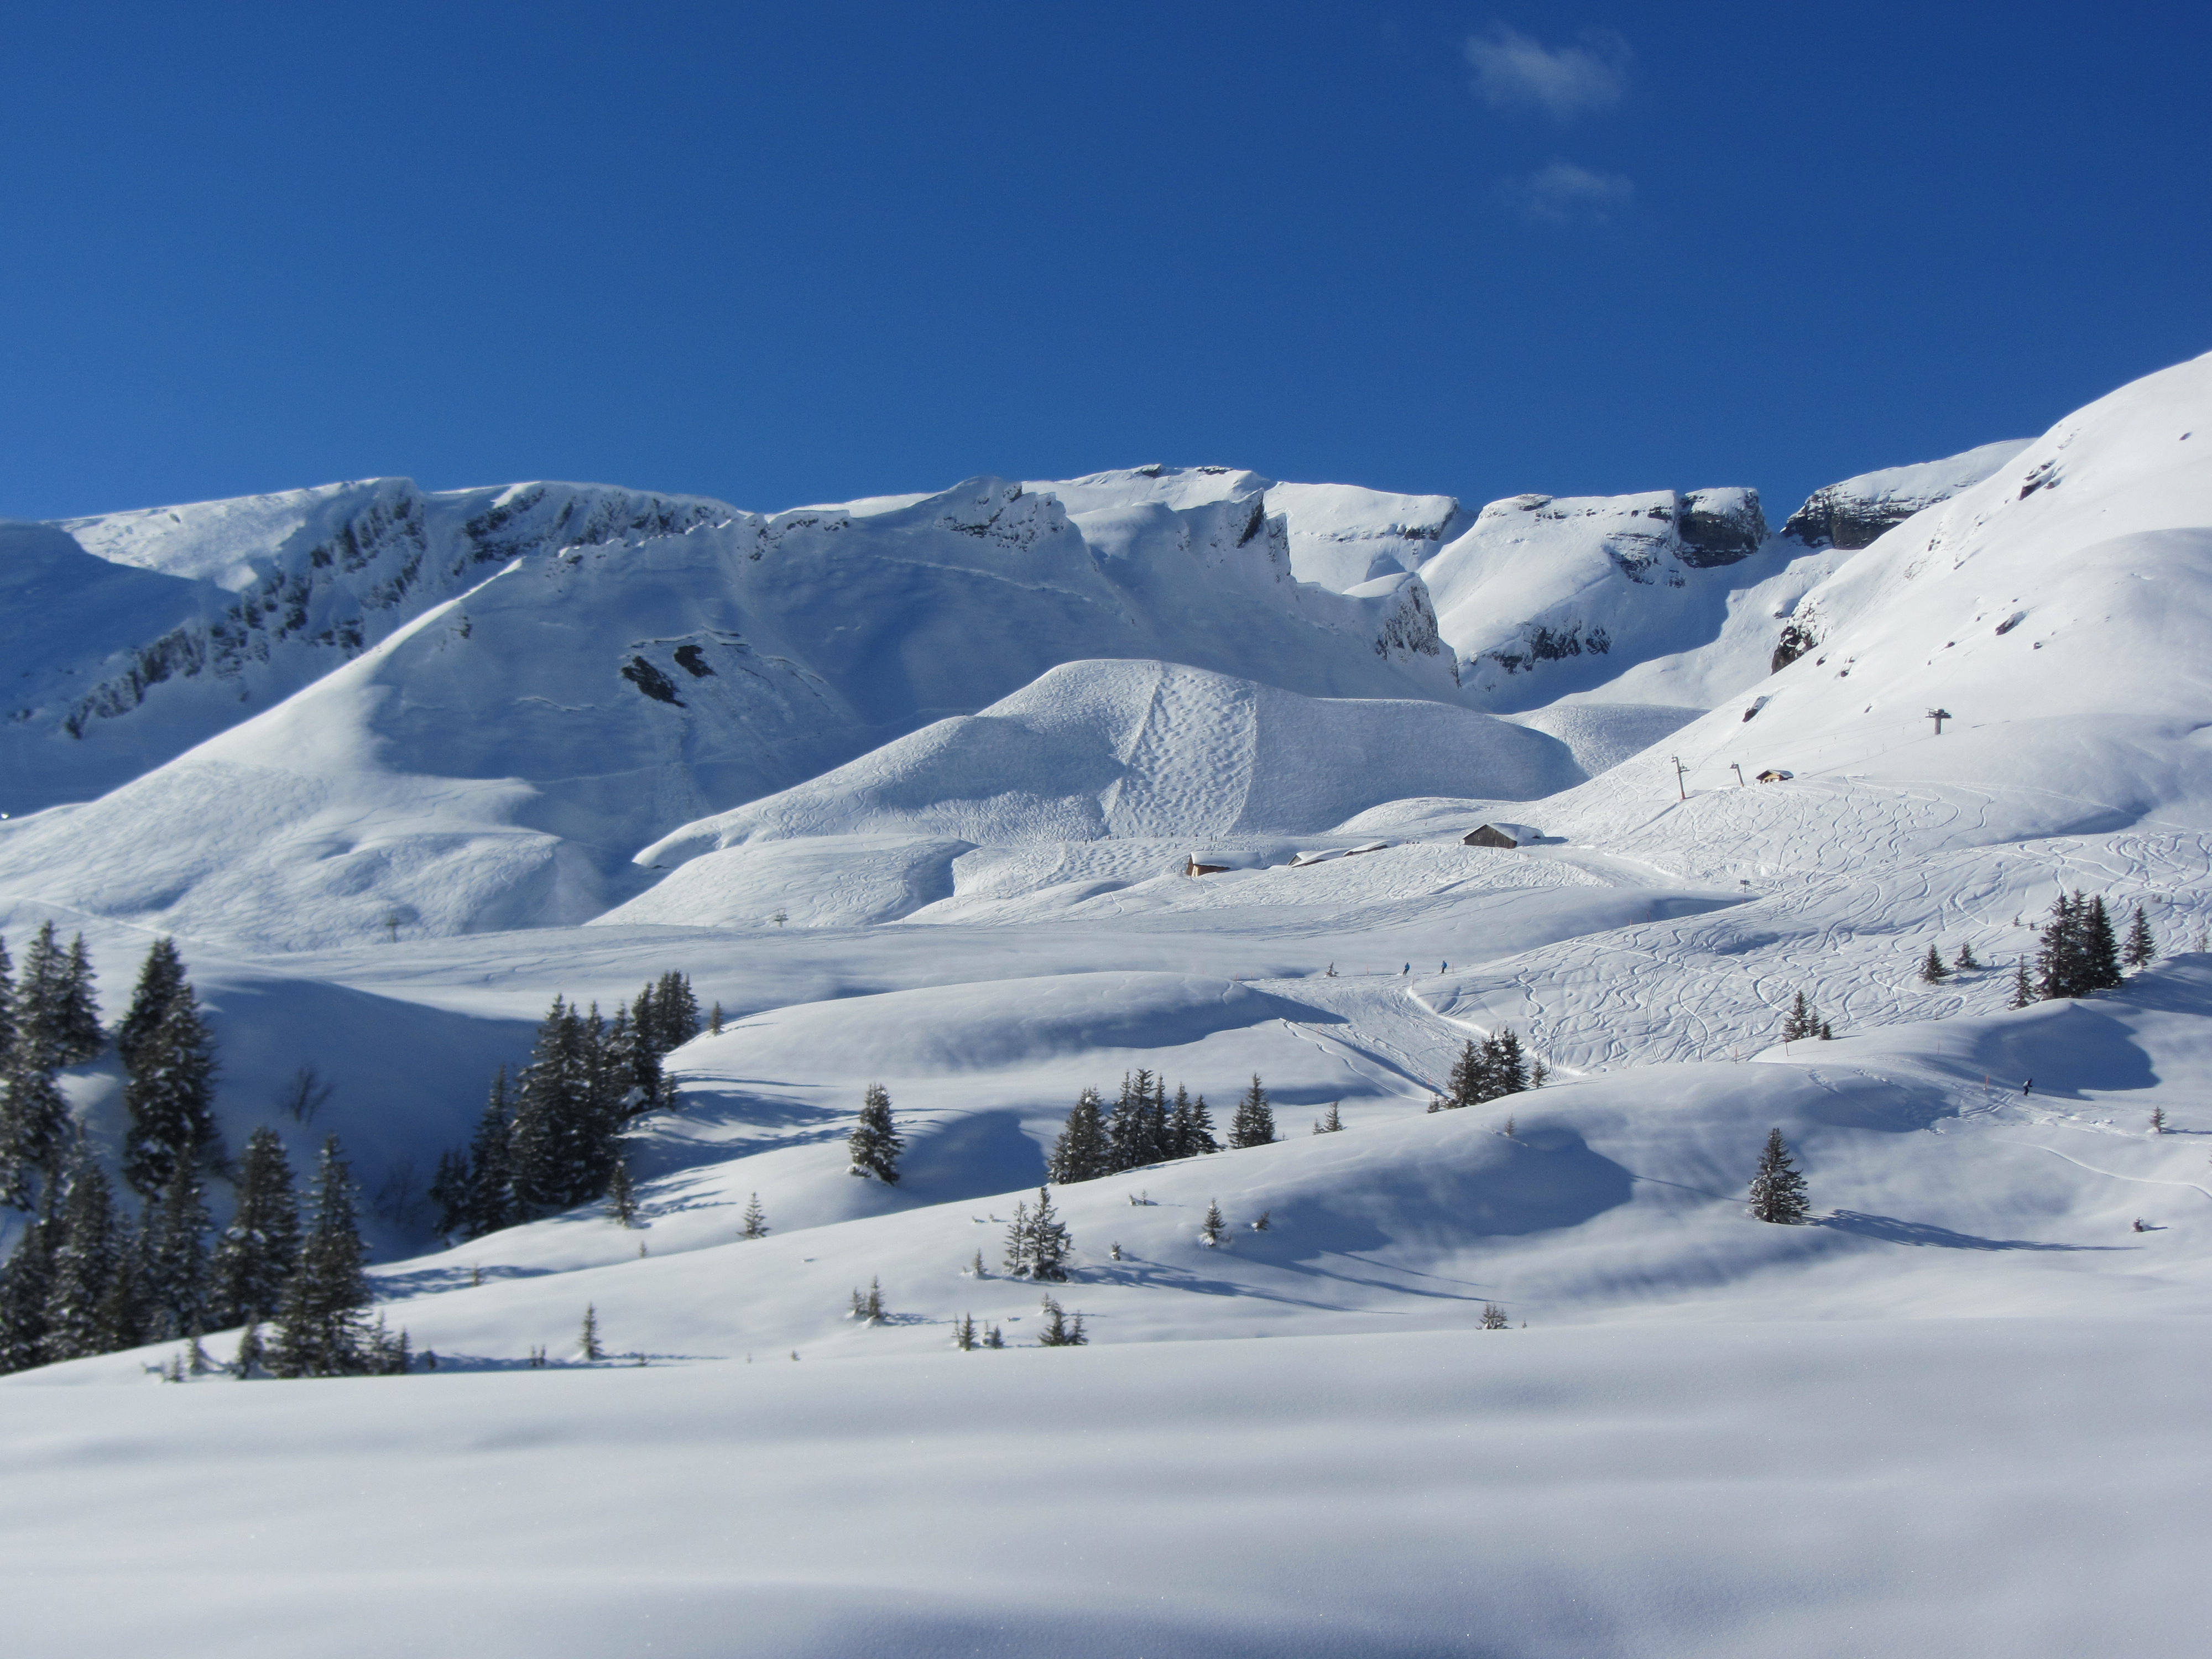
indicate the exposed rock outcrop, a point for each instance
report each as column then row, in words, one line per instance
column 1856, row 512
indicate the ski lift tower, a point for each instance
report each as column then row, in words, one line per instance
column 1939, row 715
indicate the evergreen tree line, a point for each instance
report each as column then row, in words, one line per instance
column 2077, row 953
column 1495, row 1068
column 1804, row 1020
column 550, row 1139
column 1144, row 1127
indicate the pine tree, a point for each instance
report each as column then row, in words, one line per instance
column 1464, row 1086
column 1493, row 1317
column 2101, row 949
column 1190, row 1125
column 1801, row 1022
column 251, row 1355
column 259, row 1249
column 1778, row 1191
column 756, row 1219
column 88, row 1250
column 56, row 1019
column 622, row 1197
column 715, row 1020
column 2158, row 1120
column 490, row 1192
column 993, row 1337
column 588, row 1344
column 1017, row 1244
column 1255, row 1122
column 1082, row 1152
column 964, row 1334
column 80, row 1034
column 170, row 1095
column 1050, row 1244
column 1210, row 1229
column 1059, row 1332
column 320, row 1330
column 33, row 1127
column 1330, row 1124
column 2059, row 965
column 562, row 1142
column 125, row 1318
column 26, row 1288
column 2023, row 993
column 177, row 1280
column 875, row 1145
column 6, row 1002
column 2141, row 948
column 1932, row 970
column 1966, row 962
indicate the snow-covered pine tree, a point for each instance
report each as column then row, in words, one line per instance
column 253, row 1354
column 633, row 1085
column 2142, row 947
column 1493, row 1317
column 449, row 1191
column 33, row 1127
column 1801, row 1022
column 1191, row 1126
column 963, row 1333
column 6, row 1002
column 622, row 1196
column 754, row 1219
column 125, row 1319
column 82, row 1037
column 321, row 1330
column 1082, row 1152
column 1932, row 970
column 874, row 1144
column 2023, row 992
column 1966, row 962
column 715, row 1020
column 57, row 1017
column 491, row 1193
column 2158, row 1120
column 975, row 1267
column 26, row 1286
column 88, row 1250
column 1016, row 1261
column 1505, row 1068
column 1778, row 1191
column 1466, row 1084
column 1125, row 1129
column 2101, row 948
column 1330, row 1122
column 993, row 1337
column 177, row 1277
column 562, row 1141
column 1255, row 1122
column 1059, row 1332
column 1050, row 1244
column 260, row 1248
column 169, row 1094
column 679, row 1010
column 1827, row 1032
column 1210, row 1229
column 587, row 1343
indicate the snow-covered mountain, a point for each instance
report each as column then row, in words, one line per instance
column 915, row 789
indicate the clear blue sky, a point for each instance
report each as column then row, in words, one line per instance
column 786, row 254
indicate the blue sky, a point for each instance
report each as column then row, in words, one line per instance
column 781, row 254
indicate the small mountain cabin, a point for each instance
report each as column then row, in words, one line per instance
column 1501, row 835
column 1776, row 774
column 1194, row 868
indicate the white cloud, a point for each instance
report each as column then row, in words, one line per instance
column 1564, row 194
column 1513, row 71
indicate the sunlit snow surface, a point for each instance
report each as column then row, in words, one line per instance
column 1956, row 1414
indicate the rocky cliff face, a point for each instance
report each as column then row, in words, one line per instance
column 1719, row 526
column 1856, row 512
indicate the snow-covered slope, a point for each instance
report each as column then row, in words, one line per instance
column 1853, row 513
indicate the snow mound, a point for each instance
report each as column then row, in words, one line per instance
column 1145, row 749
column 1601, row 735
column 823, row 881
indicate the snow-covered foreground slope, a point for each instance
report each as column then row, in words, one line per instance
column 2014, row 1488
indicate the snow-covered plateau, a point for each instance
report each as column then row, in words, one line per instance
column 990, row 797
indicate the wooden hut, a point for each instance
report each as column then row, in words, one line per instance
column 1501, row 835
column 1776, row 774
